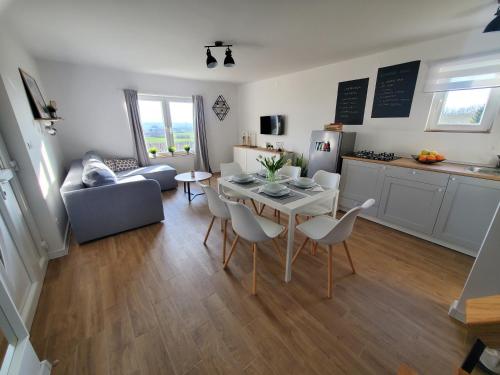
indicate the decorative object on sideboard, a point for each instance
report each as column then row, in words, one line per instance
column 187, row 148
column 228, row 60
column 153, row 151
column 221, row 108
column 494, row 25
column 269, row 146
column 280, row 146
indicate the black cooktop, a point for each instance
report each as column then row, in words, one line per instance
column 372, row 155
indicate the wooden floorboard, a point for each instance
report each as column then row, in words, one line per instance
column 156, row 301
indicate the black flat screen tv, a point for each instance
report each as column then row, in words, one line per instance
column 274, row 125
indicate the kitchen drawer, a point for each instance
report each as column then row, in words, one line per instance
column 418, row 175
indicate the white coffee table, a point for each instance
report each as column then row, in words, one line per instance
column 187, row 178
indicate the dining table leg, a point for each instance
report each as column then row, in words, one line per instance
column 289, row 246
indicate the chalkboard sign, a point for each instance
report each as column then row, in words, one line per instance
column 351, row 100
column 394, row 90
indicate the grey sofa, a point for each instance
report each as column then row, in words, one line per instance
column 133, row 201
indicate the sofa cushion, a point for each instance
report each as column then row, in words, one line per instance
column 110, row 163
column 162, row 173
column 125, row 164
column 96, row 173
column 91, row 155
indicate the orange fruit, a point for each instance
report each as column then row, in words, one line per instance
column 439, row 157
column 422, row 158
column 431, row 158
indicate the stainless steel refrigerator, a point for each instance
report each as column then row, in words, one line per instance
column 326, row 148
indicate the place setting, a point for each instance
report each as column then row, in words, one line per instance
column 245, row 179
column 305, row 184
column 279, row 192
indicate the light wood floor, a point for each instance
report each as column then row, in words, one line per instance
column 156, row 301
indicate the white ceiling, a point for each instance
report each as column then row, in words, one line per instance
column 270, row 37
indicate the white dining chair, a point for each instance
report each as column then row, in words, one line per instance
column 255, row 229
column 329, row 231
column 231, row 169
column 325, row 206
column 219, row 210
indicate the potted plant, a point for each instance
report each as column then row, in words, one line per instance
column 301, row 162
column 272, row 165
column 153, row 151
column 187, row 148
column 171, row 149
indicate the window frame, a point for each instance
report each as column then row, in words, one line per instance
column 165, row 104
column 490, row 114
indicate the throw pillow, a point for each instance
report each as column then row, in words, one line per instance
column 96, row 173
column 91, row 155
column 110, row 163
column 125, row 164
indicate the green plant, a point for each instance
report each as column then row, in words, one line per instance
column 153, row 150
column 272, row 165
column 172, row 149
column 187, row 148
column 300, row 161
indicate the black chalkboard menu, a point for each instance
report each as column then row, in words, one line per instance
column 351, row 100
column 394, row 90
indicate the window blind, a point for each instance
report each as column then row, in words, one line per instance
column 462, row 74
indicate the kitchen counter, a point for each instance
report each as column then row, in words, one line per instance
column 442, row 167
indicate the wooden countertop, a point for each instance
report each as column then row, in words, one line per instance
column 260, row 149
column 443, row 167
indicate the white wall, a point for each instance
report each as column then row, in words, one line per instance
column 92, row 104
column 308, row 98
column 37, row 153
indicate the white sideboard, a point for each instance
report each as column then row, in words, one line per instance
column 246, row 157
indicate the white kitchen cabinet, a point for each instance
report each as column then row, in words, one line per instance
column 467, row 210
column 359, row 182
column 246, row 157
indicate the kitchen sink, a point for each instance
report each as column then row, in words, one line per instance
column 485, row 170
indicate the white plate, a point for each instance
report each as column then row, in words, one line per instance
column 273, row 187
column 242, row 178
column 280, row 193
column 303, row 186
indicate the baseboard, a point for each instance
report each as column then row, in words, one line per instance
column 53, row 254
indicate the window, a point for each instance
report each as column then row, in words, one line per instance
column 166, row 122
column 466, row 94
column 471, row 110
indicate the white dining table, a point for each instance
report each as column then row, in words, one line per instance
column 304, row 198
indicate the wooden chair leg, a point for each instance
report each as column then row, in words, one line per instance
column 275, row 212
column 297, row 221
column 278, row 250
column 225, row 240
column 330, row 271
column 254, row 275
column 209, row 229
column 221, row 224
column 233, row 247
column 279, row 217
column 299, row 250
column 262, row 208
column 254, row 206
column 314, row 249
column 349, row 257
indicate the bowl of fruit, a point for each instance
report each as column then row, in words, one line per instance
column 429, row 157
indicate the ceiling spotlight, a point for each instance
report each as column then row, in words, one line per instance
column 211, row 62
column 495, row 24
column 228, row 61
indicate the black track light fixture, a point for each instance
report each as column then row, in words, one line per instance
column 495, row 24
column 228, row 60
column 211, row 61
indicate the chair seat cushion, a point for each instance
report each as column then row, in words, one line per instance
column 270, row 228
column 318, row 227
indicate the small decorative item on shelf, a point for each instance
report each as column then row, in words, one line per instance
column 171, row 149
column 336, row 127
column 280, row 146
column 253, row 139
column 271, row 165
column 153, row 151
column 187, row 148
column 244, row 138
column 52, row 109
column 269, row 146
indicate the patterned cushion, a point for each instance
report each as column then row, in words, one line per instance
column 110, row 163
column 125, row 164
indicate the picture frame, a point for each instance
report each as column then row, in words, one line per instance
column 35, row 97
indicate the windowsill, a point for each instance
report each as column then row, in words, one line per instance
column 170, row 156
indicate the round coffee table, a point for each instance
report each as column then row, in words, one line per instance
column 187, row 178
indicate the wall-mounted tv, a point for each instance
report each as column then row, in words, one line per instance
column 274, row 125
